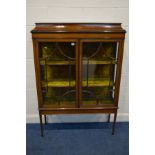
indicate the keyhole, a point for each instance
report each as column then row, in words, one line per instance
column 72, row 44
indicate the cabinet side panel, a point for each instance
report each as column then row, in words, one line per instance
column 37, row 73
column 119, row 69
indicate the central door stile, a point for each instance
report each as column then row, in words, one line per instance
column 80, row 72
column 77, row 74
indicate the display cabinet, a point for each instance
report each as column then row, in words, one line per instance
column 78, row 68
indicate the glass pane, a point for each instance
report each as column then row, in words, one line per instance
column 99, row 61
column 57, row 63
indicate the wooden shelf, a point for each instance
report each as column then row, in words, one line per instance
column 61, row 62
column 97, row 83
column 58, row 84
column 50, row 104
column 91, row 62
column 91, row 83
column 94, row 102
column 99, row 62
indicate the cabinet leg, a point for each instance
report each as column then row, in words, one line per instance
column 41, row 125
column 108, row 118
column 45, row 118
column 114, row 123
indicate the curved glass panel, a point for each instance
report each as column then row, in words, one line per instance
column 57, row 64
column 99, row 60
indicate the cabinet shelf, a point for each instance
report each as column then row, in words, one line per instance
column 97, row 83
column 58, row 84
column 56, row 62
column 91, row 83
column 99, row 62
column 64, row 62
column 87, row 103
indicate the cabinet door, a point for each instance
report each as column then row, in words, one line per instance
column 98, row 65
column 57, row 63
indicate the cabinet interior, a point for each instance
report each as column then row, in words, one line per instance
column 58, row 62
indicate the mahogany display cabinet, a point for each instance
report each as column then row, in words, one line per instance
column 78, row 68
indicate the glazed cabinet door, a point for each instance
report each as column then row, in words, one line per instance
column 98, row 66
column 57, row 69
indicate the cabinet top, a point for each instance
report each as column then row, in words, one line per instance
column 78, row 28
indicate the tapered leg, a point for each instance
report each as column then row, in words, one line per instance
column 41, row 125
column 45, row 119
column 114, row 123
column 108, row 118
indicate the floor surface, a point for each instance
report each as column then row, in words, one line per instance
column 78, row 139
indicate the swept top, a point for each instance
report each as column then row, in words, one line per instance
column 78, row 27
